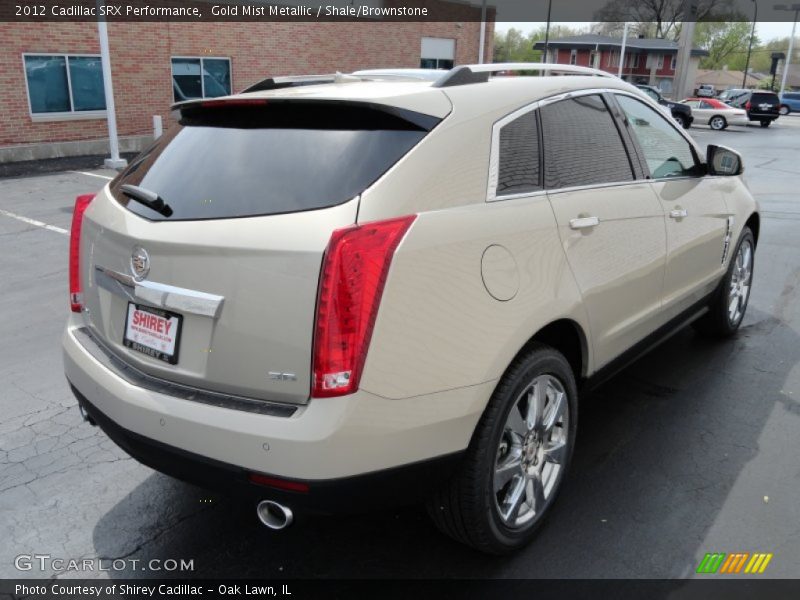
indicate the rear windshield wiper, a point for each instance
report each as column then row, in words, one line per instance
column 149, row 199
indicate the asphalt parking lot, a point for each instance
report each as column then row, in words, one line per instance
column 692, row 449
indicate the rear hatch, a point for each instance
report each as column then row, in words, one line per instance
column 202, row 259
column 764, row 104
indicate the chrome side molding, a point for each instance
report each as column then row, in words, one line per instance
column 160, row 295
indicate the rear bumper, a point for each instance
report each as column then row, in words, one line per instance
column 326, row 439
column 400, row 485
column 755, row 116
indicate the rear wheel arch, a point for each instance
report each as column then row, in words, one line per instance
column 567, row 337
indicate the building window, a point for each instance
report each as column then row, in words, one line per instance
column 573, row 57
column 674, row 62
column 200, row 78
column 660, row 61
column 594, row 59
column 613, row 59
column 437, row 53
column 64, row 83
column 633, row 61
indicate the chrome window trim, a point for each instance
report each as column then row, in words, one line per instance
column 494, row 152
column 157, row 294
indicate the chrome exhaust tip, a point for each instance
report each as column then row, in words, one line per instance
column 274, row 515
column 85, row 415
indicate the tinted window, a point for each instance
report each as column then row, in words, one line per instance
column 764, row 98
column 200, row 78
column 49, row 85
column 274, row 158
column 666, row 151
column 518, row 169
column 581, row 144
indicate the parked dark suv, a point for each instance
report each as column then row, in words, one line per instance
column 761, row 105
column 682, row 113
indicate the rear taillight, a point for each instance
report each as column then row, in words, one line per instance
column 75, row 292
column 353, row 275
column 747, row 105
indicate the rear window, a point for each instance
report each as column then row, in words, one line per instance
column 238, row 160
column 763, row 97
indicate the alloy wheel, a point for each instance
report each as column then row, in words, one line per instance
column 739, row 291
column 532, row 452
column 717, row 123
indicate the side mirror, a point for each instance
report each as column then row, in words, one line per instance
column 723, row 161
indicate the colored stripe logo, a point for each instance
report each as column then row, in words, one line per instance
column 734, row 563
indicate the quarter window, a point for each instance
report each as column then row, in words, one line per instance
column 582, row 145
column 200, row 78
column 63, row 83
column 518, row 165
column 666, row 151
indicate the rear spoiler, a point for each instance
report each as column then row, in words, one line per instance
column 308, row 112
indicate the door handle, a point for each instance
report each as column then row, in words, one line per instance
column 584, row 222
column 678, row 213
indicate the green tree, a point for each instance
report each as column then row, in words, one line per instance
column 726, row 43
column 665, row 16
column 516, row 46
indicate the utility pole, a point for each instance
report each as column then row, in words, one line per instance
column 788, row 61
column 750, row 45
column 115, row 162
column 622, row 51
column 482, row 41
column 681, row 83
column 547, row 31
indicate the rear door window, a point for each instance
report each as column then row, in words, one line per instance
column 582, row 145
column 236, row 160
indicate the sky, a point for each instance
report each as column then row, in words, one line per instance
column 764, row 31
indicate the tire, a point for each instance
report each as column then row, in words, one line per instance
column 721, row 320
column 505, row 454
column 784, row 110
column 717, row 123
column 680, row 121
column 766, row 122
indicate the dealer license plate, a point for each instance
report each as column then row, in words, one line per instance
column 153, row 332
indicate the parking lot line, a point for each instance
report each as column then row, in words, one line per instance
column 29, row 221
column 92, row 175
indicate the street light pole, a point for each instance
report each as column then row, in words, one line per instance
column 788, row 61
column 115, row 162
column 547, row 31
column 750, row 45
column 482, row 41
column 622, row 50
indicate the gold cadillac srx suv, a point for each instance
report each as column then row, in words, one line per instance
column 334, row 292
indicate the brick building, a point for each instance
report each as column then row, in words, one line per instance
column 647, row 61
column 51, row 84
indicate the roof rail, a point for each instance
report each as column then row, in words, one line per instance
column 465, row 74
column 276, row 83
